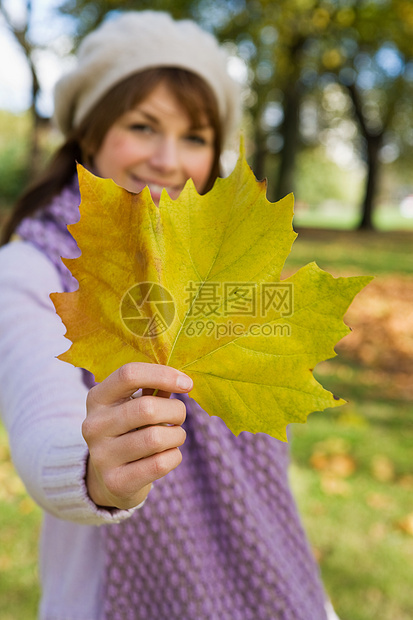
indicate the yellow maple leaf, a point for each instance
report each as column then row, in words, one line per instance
column 195, row 284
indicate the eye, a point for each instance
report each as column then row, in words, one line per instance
column 141, row 128
column 197, row 139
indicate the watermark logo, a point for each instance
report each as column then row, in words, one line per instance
column 213, row 299
column 147, row 309
column 212, row 329
column 277, row 296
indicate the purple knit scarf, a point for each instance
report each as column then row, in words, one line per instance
column 219, row 538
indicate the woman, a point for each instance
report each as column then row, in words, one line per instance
column 197, row 524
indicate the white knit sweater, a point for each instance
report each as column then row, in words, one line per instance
column 42, row 404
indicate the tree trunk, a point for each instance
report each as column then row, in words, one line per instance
column 290, row 134
column 260, row 153
column 34, row 150
column 374, row 144
column 21, row 35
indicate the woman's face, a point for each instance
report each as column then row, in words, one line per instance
column 155, row 144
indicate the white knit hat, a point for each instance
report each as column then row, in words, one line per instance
column 136, row 41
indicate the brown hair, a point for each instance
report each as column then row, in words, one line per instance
column 190, row 90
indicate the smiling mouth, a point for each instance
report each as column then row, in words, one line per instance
column 156, row 188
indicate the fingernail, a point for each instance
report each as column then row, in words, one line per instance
column 184, row 382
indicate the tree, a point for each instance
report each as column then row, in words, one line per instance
column 90, row 13
column 294, row 48
column 347, row 41
column 369, row 49
column 21, row 34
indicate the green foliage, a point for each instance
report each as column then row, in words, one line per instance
column 325, row 181
column 90, row 13
column 14, row 131
column 296, row 48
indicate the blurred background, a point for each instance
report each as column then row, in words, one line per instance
column 328, row 93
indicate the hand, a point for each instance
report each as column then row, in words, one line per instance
column 133, row 441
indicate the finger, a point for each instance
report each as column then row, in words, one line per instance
column 143, row 443
column 127, row 379
column 144, row 411
column 146, row 471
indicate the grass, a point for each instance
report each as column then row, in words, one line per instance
column 386, row 217
column 351, row 477
column 19, row 526
column 353, row 253
column 351, row 466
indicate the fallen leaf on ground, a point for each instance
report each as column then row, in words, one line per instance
column 406, row 524
column 382, row 337
column 333, row 485
column 379, row 501
column 382, row 468
column 378, row 532
column 406, row 481
column 340, row 465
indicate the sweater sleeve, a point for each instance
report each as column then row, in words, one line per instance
column 42, row 399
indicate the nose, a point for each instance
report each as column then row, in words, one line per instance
column 166, row 154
